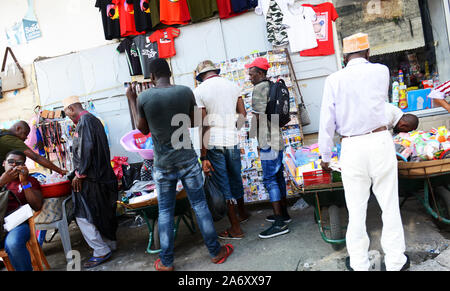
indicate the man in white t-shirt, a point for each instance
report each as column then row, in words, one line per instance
column 399, row 121
column 221, row 102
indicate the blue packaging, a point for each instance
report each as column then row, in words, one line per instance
column 417, row 100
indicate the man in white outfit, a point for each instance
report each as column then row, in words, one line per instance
column 353, row 105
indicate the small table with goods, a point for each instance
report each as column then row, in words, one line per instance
column 322, row 190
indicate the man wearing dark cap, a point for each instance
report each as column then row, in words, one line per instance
column 167, row 111
column 271, row 147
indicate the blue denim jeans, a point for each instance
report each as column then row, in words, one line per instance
column 190, row 174
column 273, row 178
column 227, row 171
column 15, row 247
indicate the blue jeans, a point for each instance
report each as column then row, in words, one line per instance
column 227, row 171
column 15, row 246
column 190, row 174
column 273, row 178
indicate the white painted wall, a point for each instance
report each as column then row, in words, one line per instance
column 66, row 26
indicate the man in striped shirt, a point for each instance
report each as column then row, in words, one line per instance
column 439, row 94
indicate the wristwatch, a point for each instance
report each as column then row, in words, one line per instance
column 26, row 186
column 203, row 158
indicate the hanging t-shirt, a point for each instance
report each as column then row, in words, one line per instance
column 110, row 18
column 147, row 51
column 154, row 13
column 323, row 27
column 225, row 10
column 174, row 12
column 165, row 38
column 128, row 47
column 142, row 17
column 276, row 31
column 243, row 5
column 126, row 17
column 298, row 20
column 200, row 10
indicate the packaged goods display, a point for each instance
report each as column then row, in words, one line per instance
column 417, row 146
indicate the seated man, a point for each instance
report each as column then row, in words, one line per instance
column 28, row 191
column 399, row 121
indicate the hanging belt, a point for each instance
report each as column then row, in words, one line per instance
column 373, row 131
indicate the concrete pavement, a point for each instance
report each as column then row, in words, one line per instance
column 302, row 249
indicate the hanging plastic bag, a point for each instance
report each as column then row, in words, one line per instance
column 215, row 199
column 91, row 109
column 116, row 164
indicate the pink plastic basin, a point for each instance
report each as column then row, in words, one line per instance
column 129, row 144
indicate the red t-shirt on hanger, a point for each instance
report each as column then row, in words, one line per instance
column 126, row 17
column 323, row 27
column 166, row 41
column 174, row 12
column 225, row 10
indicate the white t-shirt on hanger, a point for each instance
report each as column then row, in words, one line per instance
column 298, row 20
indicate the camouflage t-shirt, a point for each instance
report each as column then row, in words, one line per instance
column 260, row 96
column 276, row 32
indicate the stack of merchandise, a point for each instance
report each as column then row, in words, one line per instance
column 48, row 180
column 143, row 141
column 307, row 159
column 417, row 146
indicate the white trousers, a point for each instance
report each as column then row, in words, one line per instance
column 369, row 160
column 101, row 246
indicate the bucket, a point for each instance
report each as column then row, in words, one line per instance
column 56, row 189
column 129, row 144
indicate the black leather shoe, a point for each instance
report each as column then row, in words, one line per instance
column 347, row 264
column 406, row 265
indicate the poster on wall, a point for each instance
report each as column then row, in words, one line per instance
column 15, row 34
column 23, row 31
column 30, row 23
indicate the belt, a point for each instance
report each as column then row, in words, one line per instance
column 373, row 131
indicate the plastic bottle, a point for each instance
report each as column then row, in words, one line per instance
column 395, row 93
column 402, row 102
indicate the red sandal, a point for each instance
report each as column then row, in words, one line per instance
column 229, row 250
column 161, row 267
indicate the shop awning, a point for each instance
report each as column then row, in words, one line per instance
column 387, row 48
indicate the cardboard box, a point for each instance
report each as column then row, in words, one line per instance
column 417, row 100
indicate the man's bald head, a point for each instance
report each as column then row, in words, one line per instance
column 407, row 123
column 21, row 129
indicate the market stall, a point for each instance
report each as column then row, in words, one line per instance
column 424, row 169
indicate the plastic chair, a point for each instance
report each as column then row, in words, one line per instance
column 34, row 248
column 62, row 225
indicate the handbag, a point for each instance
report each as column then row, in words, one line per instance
column 304, row 115
column 4, row 199
column 12, row 79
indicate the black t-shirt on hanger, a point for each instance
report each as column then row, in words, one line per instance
column 147, row 52
column 142, row 15
column 110, row 18
column 242, row 5
column 129, row 48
